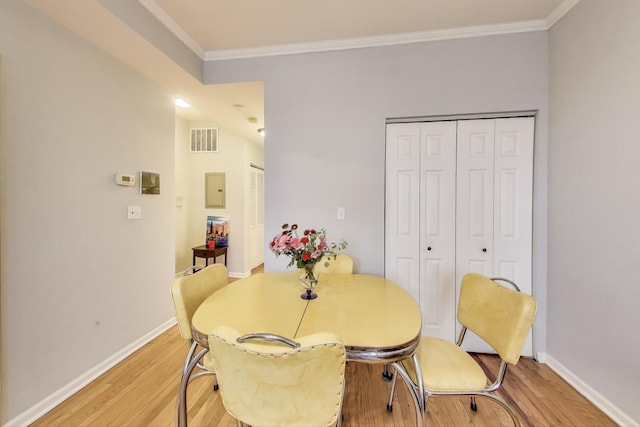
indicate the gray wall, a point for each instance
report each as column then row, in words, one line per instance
column 72, row 117
column 325, row 121
column 80, row 282
column 594, row 198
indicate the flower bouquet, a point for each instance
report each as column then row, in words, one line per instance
column 305, row 251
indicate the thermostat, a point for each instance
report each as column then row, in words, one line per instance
column 124, row 179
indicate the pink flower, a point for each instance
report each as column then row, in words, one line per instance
column 323, row 243
column 305, row 251
column 273, row 245
column 295, row 243
column 283, row 241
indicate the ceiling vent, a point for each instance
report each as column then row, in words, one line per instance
column 204, row 140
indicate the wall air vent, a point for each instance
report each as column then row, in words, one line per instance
column 204, row 140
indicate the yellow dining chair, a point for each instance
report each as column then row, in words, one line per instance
column 188, row 292
column 341, row 264
column 502, row 317
column 269, row 380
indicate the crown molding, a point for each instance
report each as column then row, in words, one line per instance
column 356, row 43
column 386, row 40
column 172, row 26
column 560, row 11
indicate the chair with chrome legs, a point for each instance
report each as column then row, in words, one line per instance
column 269, row 380
column 188, row 292
column 502, row 317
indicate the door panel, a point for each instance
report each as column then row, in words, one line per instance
column 514, row 200
column 437, row 226
column 513, row 213
column 505, row 251
column 458, row 200
column 402, row 229
column 474, row 195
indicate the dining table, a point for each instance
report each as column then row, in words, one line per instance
column 377, row 320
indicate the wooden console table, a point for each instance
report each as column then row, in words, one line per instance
column 203, row 251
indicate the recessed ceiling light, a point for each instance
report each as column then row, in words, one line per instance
column 182, row 103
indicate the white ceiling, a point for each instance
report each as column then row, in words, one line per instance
column 221, row 29
column 231, row 24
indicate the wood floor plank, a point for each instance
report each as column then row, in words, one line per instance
column 142, row 390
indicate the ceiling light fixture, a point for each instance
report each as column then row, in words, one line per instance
column 181, row 103
column 261, row 131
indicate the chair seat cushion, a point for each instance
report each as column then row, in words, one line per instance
column 447, row 367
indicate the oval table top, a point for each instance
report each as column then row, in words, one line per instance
column 377, row 320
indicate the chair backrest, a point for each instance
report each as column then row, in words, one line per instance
column 341, row 264
column 273, row 384
column 500, row 316
column 188, row 292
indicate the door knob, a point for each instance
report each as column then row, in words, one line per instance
column 484, row 249
column 428, row 248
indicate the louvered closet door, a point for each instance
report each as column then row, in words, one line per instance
column 494, row 204
column 256, row 217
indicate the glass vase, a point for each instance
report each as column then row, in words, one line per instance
column 309, row 280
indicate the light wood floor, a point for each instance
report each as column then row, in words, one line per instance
column 142, row 390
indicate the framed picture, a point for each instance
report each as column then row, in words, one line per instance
column 149, row 183
column 218, row 230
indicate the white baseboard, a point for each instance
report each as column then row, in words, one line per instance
column 615, row 413
column 239, row 275
column 50, row 402
column 231, row 273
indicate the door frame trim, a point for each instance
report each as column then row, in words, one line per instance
column 456, row 117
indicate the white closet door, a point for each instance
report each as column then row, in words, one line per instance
column 513, row 200
column 437, row 227
column 458, row 200
column 402, row 210
column 494, row 212
column 474, row 211
column 513, row 204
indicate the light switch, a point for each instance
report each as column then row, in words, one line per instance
column 341, row 213
column 134, row 212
